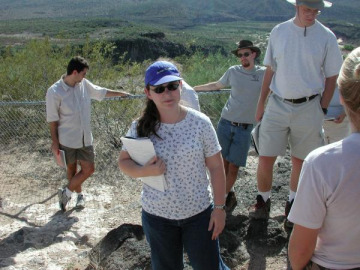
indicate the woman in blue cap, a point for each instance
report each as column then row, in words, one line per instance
column 190, row 213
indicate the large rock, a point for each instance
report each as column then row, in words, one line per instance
column 242, row 240
column 122, row 248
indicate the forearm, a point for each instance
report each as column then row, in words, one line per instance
column 301, row 246
column 112, row 93
column 265, row 87
column 208, row 87
column 153, row 167
column 54, row 133
column 299, row 260
column 217, row 178
column 218, row 185
column 132, row 169
column 330, row 84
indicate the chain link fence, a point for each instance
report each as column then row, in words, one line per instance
column 25, row 145
column 30, row 178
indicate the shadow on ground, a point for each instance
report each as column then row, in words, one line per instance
column 242, row 240
column 33, row 236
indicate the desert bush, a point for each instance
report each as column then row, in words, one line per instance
column 27, row 73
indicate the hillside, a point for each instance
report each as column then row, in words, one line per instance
column 184, row 26
column 175, row 13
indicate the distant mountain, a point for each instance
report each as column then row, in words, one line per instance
column 179, row 14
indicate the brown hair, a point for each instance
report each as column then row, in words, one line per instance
column 77, row 63
column 149, row 121
column 349, row 86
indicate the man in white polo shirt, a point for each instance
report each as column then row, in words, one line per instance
column 303, row 61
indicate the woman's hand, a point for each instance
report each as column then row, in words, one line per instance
column 217, row 222
column 155, row 166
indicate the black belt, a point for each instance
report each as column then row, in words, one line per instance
column 244, row 125
column 301, row 100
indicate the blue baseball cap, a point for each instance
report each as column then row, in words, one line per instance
column 161, row 72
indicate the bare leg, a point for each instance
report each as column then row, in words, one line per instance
column 87, row 169
column 265, row 173
column 231, row 176
column 231, row 172
column 226, row 166
column 295, row 172
column 71, row 171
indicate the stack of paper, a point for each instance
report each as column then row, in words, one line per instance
column 141, row 150
column 60, row 158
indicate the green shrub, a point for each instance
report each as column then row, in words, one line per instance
column 27, row 73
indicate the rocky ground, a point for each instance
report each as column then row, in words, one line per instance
column 35, row 234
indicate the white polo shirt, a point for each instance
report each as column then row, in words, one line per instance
column 301, row 63
column 71, row 108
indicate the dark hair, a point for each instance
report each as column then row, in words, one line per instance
column 149, row 121
column 77, row 63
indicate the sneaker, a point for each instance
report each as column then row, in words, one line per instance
column 288, row 206
column 231, row 202
column 80, row 202
column 261, row 208
column 63, row 199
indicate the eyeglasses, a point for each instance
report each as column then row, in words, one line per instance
column 309, row 11
column 246, row 54
column 171, row 87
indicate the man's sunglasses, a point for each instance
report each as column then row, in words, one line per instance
column 246, row 54
column 171, row 87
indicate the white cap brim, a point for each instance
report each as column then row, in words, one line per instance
column 166, row 79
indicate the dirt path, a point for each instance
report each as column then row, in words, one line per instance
column 34, row 234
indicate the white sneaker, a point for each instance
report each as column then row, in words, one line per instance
column 80, row 202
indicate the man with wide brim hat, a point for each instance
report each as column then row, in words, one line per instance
column 238, row 115
column 302, row 63
column 246, row 44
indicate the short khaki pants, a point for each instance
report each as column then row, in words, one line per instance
column 74, row 154
column 299, row 125
column 336, row 131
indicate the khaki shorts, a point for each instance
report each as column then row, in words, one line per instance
column 300, row 125
column 72, row 155
column 336, row 131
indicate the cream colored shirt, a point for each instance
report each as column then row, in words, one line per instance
column 71, row 108
column 301, row 63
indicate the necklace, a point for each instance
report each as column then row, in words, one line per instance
column 171, row 130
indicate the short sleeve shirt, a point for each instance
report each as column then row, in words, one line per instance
column 245, row 90
column 326, row 198
column 189, row 97
column 71, row 108
column 183, row 147
column 301, row 63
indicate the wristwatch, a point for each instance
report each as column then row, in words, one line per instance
column 325, row 110
column 219, row 206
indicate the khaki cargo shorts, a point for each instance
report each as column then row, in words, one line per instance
column 299, row 125
column 85, row 153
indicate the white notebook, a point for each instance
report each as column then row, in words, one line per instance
column 60, row 158
column 141, row 150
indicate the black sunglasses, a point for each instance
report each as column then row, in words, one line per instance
column 171, row 87
column 246, row 54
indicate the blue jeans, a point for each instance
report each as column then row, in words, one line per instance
column 168, row 238
column 235, row 142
